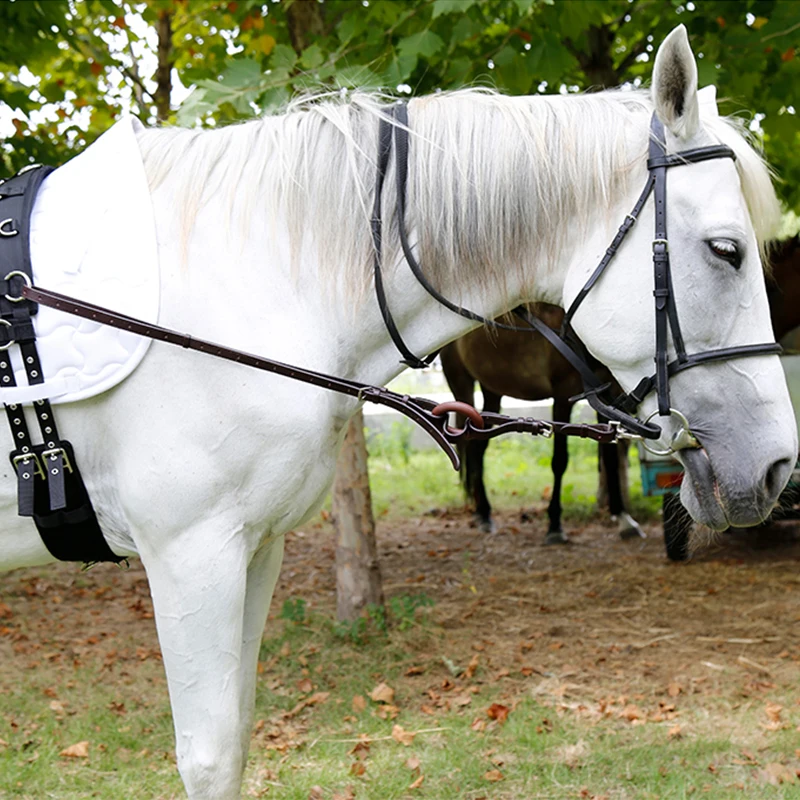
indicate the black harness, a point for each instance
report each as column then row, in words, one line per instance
column 394, row 128
column 49, row 486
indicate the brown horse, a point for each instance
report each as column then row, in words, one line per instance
column 526, row 366
column 783, row 287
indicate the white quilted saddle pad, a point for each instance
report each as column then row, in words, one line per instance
column 93, row 237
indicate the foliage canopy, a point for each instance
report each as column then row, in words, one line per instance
column 68, row 68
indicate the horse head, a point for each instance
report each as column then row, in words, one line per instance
column 718, row 214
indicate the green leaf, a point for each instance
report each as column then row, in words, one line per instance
column 242, row 72
column 399, row 70
column 312, row 57
column 358, row 78
column 451, row 7
column 425, row 43
column 194, row 107
column 283, row 57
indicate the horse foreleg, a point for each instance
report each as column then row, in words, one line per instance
column 562, row 409
column 199, row 585
column 262, row 575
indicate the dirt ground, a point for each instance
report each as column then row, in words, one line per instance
column 598, row 617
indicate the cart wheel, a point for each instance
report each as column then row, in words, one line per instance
column 677, row 524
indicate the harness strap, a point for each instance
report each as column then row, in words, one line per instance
column 384, row 151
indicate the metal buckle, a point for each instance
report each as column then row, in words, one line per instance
column 25, row 279
column 624, row 433
column 684, row 439
column 37, row 465
column 10, row 341
column 546, row 431
column 51, row 454
column 665, row 242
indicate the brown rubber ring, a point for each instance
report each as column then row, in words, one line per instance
column 472, row 414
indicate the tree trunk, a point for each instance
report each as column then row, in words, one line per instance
column 163, row 93
column 304, row 18
column 358, row 574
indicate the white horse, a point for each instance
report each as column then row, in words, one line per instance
column 200, row 466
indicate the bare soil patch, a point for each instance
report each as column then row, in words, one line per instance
column 599, row 616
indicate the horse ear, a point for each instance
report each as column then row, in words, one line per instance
column 707, row 98
column 675, row 85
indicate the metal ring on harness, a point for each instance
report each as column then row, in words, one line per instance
column 684, row 437
column 26, row 280
column 471, row 413
column 10, row 341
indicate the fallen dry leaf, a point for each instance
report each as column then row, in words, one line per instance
column 402, row 736
column 498, row 712
column 387, row 711
column 413, row 763
column 359, row 703
column 472, row 666
column 79, row 750
column 316, row 793
column 348, row 794
column 493, row 775
column 357, row 768
column 360, row 749
column 674, row 732
column 776, row 773
column 382, row 693
column 417, row 783
column 305, row 686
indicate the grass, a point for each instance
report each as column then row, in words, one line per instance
column 544, row 748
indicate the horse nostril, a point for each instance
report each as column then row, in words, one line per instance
column 777, row 477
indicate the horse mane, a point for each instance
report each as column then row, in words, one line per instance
column 494, row 181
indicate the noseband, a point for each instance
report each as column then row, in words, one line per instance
column 394, row 129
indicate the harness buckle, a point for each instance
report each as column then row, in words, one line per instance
column 623, row 433
column 665, row 242
column 546, row 431
column 51, row 454
column 24, row 458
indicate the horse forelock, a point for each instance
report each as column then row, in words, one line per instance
column 496, row 184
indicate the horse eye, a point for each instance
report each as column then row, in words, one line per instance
column 727, row 250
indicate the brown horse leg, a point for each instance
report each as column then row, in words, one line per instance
column 474, row 468
column 614, row 470
column 462, row 385
column 561, row 413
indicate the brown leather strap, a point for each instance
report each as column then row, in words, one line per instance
column 418, row 409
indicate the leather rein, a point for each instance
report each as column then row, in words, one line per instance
column 432, row 416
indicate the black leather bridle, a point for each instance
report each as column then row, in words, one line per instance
column 394, row 130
